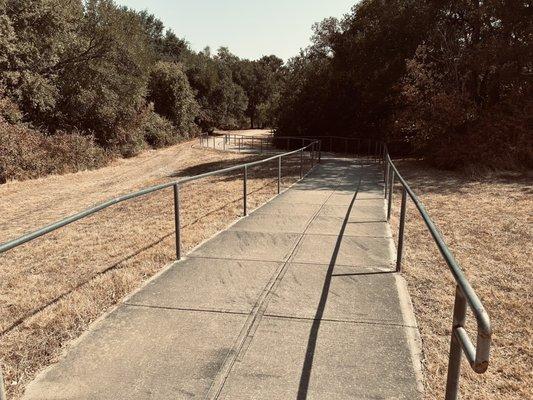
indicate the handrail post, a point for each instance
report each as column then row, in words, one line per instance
column 386, row 177
column 389, row 208
column 2, row 387
column 454, row 363
column 401, row 231
column 244, row 190
column 177, row 224
column 279, row 174
column 301, row 162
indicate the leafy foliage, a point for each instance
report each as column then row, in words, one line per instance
column 116, row 75
column 450, row 78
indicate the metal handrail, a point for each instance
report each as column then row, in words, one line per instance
column 92, row 210
column 477, row 356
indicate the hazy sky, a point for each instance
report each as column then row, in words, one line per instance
column 250, row 28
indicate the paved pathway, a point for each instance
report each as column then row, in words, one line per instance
column 297, row 301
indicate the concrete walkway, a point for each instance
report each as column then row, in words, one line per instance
column 297, row 301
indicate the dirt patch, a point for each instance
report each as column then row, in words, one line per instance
column 55, row 286
column 487, row 225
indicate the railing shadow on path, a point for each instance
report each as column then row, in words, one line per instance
column 305, row 376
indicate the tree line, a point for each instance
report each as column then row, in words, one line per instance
column 83, row 80
column 447, row 79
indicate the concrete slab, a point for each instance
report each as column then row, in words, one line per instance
column 361, row 211
column 142, row 353
column 340, row 198
column 277, row 307
column 208, row 284
column 352, row 251
column 272, row 223
column 362, row 295
column 295, row 359
column 282, row 208
column 304, row 196
column 332, row 226
column 239, row 245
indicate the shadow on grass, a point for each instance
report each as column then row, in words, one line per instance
column 424, row 178
column 119, row 264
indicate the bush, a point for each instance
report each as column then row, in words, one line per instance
column 26, row 153
column 172, row 96
column 159, row 131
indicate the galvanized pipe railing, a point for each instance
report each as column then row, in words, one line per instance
column 92, row 210
column 477, row 356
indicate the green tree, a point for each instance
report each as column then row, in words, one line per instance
column 172, row 95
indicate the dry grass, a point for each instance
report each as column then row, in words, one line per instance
column 55, row 286
column 487, row 224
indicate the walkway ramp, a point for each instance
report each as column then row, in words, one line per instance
column 299, row 300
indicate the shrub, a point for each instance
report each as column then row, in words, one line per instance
column 159, row 131
column 26, row 153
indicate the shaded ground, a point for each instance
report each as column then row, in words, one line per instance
column 53, row 287
column 487, row 224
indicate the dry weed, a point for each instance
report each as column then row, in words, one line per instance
column 487, row 225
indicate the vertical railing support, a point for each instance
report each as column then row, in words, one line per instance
column 301, row 163
column 245, row 192
column 386, row 177
column 177, row 224
column 279, row 174
column 389, row 208
column 401, row 231
column 2, row 387
column 454, row 363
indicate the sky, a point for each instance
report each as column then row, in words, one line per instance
column 249, row 28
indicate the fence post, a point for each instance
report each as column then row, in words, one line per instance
column 454, row 363
column 301, row 163
column 401, row 231
column 177, row 221
column 389, row 208
column 2, row 387
column 245, row 191
column 386, row 177
column 279, row 174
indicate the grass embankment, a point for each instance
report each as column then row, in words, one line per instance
column 487, row 225
column 55, row 286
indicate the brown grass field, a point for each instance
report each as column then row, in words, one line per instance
column 487, row 225
column 54, row 287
